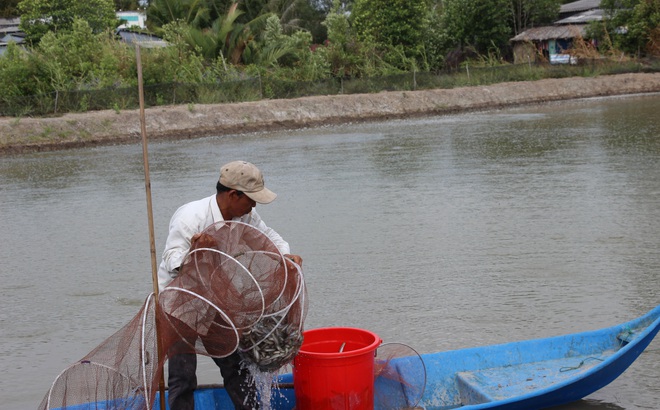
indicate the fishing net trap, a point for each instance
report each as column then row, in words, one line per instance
column 234, row 292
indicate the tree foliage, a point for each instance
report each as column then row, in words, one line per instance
column 195, row 13
column 533, row 13
column 76, row 54
column 215, row 40
column 391, row 22
column 39, row 17
column 481, row 24
column 298, row 15
column 16, row 73
column 326, row 5
column 8, row 8
column 634, row 25
column 124, row 5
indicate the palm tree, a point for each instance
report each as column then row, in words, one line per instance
column 195, row 13
column 225, row 37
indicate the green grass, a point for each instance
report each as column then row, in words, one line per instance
column 251, row 89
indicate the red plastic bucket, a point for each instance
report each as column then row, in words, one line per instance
column 334, row 369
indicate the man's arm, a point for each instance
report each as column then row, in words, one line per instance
column 177, row 245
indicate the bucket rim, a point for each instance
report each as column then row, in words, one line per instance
column 357, row 352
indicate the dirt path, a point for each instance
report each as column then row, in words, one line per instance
column 19, row 135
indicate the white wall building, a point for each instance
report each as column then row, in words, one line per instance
column 132, row 19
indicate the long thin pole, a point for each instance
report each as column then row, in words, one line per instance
column 150, row 214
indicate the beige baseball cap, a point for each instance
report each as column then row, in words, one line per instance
column 246, row 177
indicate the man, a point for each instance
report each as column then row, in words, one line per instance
column 239, row 189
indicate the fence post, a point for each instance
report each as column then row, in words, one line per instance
column 57, row 96
column 261, row 88
column 414, row 79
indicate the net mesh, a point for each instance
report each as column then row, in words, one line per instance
column 399, row 377
column 235, row 291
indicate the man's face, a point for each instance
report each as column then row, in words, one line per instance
column 240, row 204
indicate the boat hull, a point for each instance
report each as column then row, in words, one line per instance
column 531, row 374
column 536, row 373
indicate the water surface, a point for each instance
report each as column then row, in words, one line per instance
column 440, row 233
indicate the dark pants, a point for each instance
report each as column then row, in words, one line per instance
column 182, row 382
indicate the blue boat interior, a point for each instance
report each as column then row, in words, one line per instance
column 570, row 366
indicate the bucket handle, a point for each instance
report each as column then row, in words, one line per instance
column 343, row 345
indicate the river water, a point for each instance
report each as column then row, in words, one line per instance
column 439, row 232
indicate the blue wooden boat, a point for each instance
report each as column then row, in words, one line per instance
column 531, row 374
column 536, row 374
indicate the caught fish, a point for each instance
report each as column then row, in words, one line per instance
column 271, row 343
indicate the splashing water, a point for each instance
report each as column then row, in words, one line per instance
column 264, row 382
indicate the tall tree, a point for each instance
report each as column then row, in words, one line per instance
column 391, row 22
column 533, row 13
column 41, row 16
column 634, row 25
column 298, row 15
column 326, row 5
column 226, row 37
column 125, row 5
column 482, row 24
column 8, row 8
column 196, row 13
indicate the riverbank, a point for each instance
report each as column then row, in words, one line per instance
column 18, row 135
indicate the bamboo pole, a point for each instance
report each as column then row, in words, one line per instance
column 150, row 214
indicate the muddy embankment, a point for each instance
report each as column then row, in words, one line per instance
column 19, row 135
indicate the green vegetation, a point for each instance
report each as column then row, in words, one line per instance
column 39, row 17
column 8, row 8
column 229, row 50
column 632, row 26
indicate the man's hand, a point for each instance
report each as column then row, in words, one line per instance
column 295, row 258
column 202, row 240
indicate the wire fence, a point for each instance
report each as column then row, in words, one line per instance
column 262, row 87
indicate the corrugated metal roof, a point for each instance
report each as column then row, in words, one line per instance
column 11, row 37
column 145, row 40
column 582, row 18
column 550, row 32
column 10, row 22
column 580, row 5
column 10, row 30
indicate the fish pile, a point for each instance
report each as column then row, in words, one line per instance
column 271, row 343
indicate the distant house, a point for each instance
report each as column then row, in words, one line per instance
column 551, row 42
column 131, row 31
column 132, row 19
column 9, row 32
column 578, row 7
column 141, row 39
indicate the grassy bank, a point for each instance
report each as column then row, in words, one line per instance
column 23, row 134
column 264, row 87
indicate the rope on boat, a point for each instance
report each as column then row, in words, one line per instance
column 566, row 369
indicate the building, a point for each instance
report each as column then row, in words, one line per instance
column 132, row 19
column 551, row 42
column 9, row 32
column 141, row 39
column 132, row 30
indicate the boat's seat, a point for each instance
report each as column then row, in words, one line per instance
column 471, row 389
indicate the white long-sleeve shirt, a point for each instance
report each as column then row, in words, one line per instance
column 193, row 218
